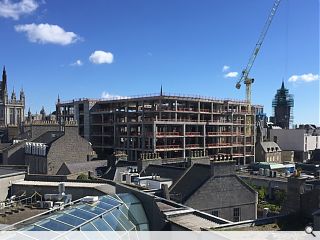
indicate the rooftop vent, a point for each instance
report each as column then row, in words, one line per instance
column 90, row 199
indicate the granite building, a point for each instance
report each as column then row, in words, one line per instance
column 49, row 149
column 11, row 109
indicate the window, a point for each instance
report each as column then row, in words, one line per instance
column 215, row 213
column 11, row 116
column 236, row 214
column 275, row 139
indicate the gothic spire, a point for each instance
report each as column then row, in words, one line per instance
column 4, row 77
column 161, row 90
column 13, row 95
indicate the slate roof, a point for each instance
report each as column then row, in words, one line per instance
column 268, row 146
column 121, row 165
column 4, row 146
column 190, row 181
column 198, row 176
column 72, row 168
column 163, row 171
column 48, row 137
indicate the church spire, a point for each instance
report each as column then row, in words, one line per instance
column 282, row 85
column 161, row 90
column 13, row 95
column 4, row 78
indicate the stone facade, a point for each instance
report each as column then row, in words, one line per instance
column 220, row 196
column 67, row 148
column 225, row 195
column 11, row 109
column 268, row 152
column 214, row 189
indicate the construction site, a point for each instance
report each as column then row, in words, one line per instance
column 169, row 126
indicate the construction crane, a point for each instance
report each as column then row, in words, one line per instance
column 245, row 73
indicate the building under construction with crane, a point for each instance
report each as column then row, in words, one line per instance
column 165, row 126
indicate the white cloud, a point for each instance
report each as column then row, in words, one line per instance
column 309, row 77
column 231, row 75
column 107, row 95
column 225, row 68
column 46, row 33
column 14, row 10
column 77, row 63
column 100, row 57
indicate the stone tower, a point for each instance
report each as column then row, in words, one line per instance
column 11, row 110
column 283, row 108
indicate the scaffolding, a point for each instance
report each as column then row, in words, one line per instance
column 282, row 104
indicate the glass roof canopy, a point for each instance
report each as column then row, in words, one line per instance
column 119, row 213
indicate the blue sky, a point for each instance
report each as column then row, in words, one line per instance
column 122, row 48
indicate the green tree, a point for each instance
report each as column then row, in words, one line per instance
column 279, row 197
column 262, row 193
column 82, row 176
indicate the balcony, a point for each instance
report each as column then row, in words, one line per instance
column 169, row 147
column 169, row 134
column 219, row 133
column 193, row 134
column 212, row 145
column 190, row 146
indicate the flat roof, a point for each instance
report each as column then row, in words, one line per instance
column 8, row 172
column 157, row 95
column 55, row 184
column 192, row 222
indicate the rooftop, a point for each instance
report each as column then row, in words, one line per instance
column 7, row 172
column 117, row 213
column 48, row 137
column 85, row 166
column 192, row 221
column 56, row 184
column 157, row 95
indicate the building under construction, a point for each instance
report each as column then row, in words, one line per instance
column 165, row 125
column 283, row 108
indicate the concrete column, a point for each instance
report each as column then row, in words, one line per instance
column 245, row 139
column 154, row 138
column 199, row 117
column 114, row 128
column 211, row 111
column 126, row 113
column 176, row 111
column 184, row 140
column 204, row 137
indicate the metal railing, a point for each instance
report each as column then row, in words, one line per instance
column 188, row 96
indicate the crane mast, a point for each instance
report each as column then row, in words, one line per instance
column 245, row 73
